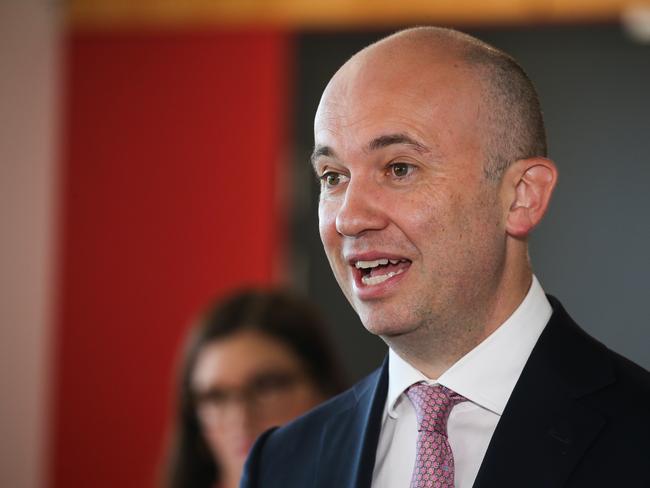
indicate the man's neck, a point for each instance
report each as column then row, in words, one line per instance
column 435, row 346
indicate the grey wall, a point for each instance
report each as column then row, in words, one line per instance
column 591, row 251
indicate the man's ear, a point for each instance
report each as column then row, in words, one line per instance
column 528, row 185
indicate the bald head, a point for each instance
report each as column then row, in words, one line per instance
column 509, row 121
column 412, row 136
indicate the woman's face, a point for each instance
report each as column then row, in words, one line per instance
column 244, row 384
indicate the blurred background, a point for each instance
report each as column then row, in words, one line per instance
column 154, row 155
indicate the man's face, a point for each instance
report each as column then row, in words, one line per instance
column 411, row 228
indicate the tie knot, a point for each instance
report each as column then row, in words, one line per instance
column 433, row 404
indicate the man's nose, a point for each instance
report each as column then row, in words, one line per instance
column 362, row 209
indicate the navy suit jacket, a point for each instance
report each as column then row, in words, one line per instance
column 579, row 416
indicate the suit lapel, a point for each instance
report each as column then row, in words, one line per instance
column 545, row 429
column 349, row 441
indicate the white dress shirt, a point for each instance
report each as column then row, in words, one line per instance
column 485, row 376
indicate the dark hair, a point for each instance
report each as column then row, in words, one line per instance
column 282, row 315
column 514, row 116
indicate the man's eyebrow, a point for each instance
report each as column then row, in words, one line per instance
column 377, row 143
column 319, row 151
column 391, row 139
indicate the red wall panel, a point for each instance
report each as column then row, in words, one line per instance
column 171, row 154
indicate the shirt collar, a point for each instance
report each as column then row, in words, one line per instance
column 488, row 373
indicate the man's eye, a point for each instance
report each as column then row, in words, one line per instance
column 400, row 170
column 331, row 179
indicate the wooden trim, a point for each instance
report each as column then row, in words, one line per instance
column 333, row 13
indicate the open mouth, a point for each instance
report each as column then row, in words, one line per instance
column 380, row 270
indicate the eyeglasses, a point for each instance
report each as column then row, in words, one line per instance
column 264, row 393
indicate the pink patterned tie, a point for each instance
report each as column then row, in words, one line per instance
column 434, row 463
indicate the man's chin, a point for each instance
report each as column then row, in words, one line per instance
column 386, row 328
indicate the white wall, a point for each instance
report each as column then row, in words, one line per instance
column 29, row 94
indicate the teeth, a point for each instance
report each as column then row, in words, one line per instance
column 371, row 264
column 375, row 280
column 377, row 262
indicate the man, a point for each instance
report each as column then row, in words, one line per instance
column 431, row 152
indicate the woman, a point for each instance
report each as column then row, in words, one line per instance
column 256, row 360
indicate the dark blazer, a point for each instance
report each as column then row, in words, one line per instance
column 579, row 416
